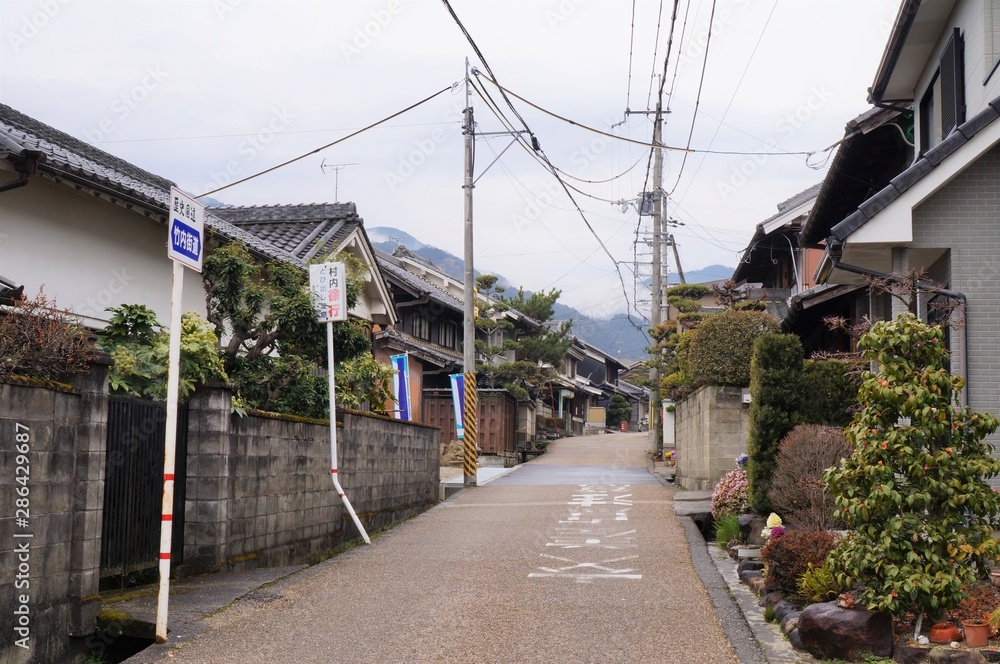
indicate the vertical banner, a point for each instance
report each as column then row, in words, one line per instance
column 458, row 401
column 401, row 385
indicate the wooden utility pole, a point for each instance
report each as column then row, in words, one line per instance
column 656, row 295
column 469, row 415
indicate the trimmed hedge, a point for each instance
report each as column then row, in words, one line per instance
column 776, row 405
column 832, row 386
column 722, row 345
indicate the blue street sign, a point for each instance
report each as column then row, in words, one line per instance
column 185, row 242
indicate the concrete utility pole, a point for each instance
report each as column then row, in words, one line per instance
column 656, row 298
column 471, row 410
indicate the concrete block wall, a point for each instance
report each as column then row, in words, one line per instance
column 259, row 491
column 711, row 431
column 52, row 559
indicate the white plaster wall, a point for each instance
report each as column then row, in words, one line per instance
column 88, row 253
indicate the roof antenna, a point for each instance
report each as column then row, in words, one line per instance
column 336, row 168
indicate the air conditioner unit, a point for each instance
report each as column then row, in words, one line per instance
column 746, row 395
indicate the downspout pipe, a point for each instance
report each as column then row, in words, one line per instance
column 25, row 163
column 836, row 250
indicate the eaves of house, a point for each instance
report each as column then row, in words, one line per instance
column 885, row 218
column 774, row 234
column 394, row 270
column 71, row 162
column 309, row 232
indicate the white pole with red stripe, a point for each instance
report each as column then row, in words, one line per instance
column 169, row 454
column 333, row 434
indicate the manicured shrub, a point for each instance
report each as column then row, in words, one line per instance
column 797, row 491
column 914, row 493
column 730, row 494
column 787, row 558
column 832, row 386
column 722, row 345
column 776, row 389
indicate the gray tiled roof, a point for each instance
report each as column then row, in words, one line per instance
column 394, row 270
column 303, row 230
column 442, row 357
column 912, row 175
column 68, row 158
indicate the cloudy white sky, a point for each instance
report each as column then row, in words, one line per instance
column 204, row 92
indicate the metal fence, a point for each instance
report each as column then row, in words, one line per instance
column 133, row 490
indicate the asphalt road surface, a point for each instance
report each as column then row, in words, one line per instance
column 576, row 556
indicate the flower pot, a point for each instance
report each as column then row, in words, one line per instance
column 977, row 633
column 945, row 633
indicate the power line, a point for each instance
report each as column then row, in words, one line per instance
column 735, row 92
column 697, row 102
column 646, row 143
column 339, row 140
column 281, row 133
column 656, row 45
column 631, row 41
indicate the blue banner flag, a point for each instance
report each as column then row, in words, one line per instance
column 458, row 400
column 401, row 385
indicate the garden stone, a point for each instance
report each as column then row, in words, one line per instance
column 756, row 584
column 790, row 622
column 747, row 575
column 795, row 639
column 750, row 527
column 749, row 563
column 783, row 608
column 830, row 632
column 949, row 655
column 771, row 599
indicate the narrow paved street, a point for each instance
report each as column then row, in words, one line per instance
column 574, row 557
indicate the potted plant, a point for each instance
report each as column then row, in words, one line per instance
column 977, row 633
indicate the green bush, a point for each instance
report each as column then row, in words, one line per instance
column 915, row 492
column 722, row 345
column 776, row 389
column 788, row 557
column 832, row 386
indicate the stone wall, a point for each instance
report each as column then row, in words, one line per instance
column 50, row 552
column 711, row 431
column 260, row 492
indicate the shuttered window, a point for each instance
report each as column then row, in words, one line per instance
column 952, row 84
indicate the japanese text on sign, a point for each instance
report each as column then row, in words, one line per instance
column 328, row 285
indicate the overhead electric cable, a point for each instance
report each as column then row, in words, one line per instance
column 631, row 41
column 697, row 102
column 339, row 140
column 656, row 44
column 646, row 143
column 735, row 92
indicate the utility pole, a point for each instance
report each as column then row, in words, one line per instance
column 471, row 410
column 656, row 299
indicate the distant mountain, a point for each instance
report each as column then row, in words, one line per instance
column 705, row 274
column 616, row 336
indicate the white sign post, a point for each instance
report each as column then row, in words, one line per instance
column 328, row 283
column 185, row 246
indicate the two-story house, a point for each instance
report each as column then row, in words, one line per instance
column 939, row 213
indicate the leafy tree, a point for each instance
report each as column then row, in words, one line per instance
column 272, row 342
column 915, row 491
column 776, row 386
column 618, row 410
column 140, row 348
column 539, row 354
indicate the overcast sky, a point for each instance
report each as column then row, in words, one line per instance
column 204, row 92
